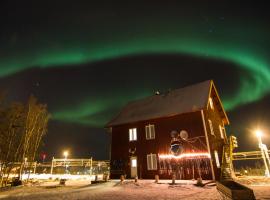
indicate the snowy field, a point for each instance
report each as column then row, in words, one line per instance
column 113, row 190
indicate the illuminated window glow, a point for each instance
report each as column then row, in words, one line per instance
column 132, row 134
column 133, row 162
column 211, row 103
column 221, row 131
column 217, row 159
column 211, row 127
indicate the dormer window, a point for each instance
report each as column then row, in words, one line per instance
column 132, row 134
column 211, row 103
column 150, row 131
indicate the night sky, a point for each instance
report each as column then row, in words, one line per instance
column 86, row 60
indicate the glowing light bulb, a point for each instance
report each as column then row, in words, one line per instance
column 259, row 133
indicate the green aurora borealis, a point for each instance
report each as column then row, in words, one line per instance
column 214, row 37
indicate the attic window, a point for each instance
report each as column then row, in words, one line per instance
column 211, row 103
column 132, row 134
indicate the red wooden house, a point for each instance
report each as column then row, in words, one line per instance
column 181, row 132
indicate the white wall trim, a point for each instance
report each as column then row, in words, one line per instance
column 208, row 146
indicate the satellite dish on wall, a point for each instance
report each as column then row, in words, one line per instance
column 184, row 134
column 176, row 148
column 174, row 134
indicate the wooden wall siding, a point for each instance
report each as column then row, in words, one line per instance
column 215, row 141
column 120, row 155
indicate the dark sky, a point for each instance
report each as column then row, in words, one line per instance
column 86, row 60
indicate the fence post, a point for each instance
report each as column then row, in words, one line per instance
column 156, row 178
column 173, row 178
column 52, row 166
column 199, row 182
column 35, row 167
column 122, row 178
column 136, row 179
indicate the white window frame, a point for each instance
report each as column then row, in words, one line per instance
column 133, row 134
column 211, row 127
column 221, row 130
column 150, row 132
column 151, row 160
column 217, row 159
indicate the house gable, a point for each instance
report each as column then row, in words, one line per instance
column 213, row 94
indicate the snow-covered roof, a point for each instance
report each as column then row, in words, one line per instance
column 184, row 100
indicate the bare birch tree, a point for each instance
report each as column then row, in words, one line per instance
column 35, row 128
column 12, row 120
column 21, row 131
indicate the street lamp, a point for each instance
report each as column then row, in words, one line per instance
column 264, row 151
column 65, row 153
column 259, row 134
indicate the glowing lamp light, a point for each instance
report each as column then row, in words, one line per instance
column 65, row 154
column 259, row 133
column 185, row 155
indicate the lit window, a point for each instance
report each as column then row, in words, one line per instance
column 217, row 159
column 133, row 162
column 211, row 103
column 221, row 132
column 211, row 127
column 150, row 132
column 152, row 162
column 132, row 134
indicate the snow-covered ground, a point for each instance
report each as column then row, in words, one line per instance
column 113, row 190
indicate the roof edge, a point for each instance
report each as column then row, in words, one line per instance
column 167, row 116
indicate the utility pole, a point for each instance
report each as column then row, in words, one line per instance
column 233, row 145
column 91, row 169
column 264, row 152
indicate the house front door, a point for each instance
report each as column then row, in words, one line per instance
column 133, row 166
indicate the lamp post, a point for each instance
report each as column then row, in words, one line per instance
column 264, row 151
column 65, row 156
